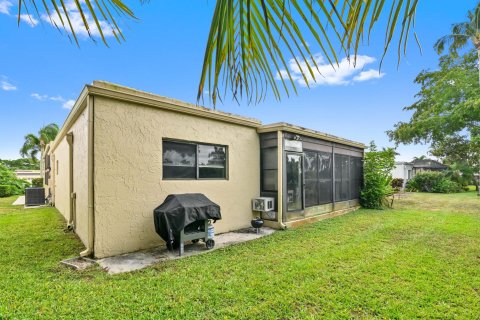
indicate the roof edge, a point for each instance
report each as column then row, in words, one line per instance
column 283, row 126
column 111, row 90
column 76, row 111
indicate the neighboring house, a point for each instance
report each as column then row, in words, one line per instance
column 420, row 165
column 28, row 175
column 403, row 170
column 122, row 151
column 407, row 170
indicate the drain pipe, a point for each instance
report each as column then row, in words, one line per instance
column 91, row 222
column 280, row 170
column 71, row 220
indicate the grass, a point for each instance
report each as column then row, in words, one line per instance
column 418, row 260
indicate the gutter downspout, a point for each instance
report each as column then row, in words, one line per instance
column 71, row 220
column 280, row 179
column 91, row 219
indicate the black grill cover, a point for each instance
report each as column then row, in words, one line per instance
column 180, row 210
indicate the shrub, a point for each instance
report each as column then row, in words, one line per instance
column 397, row 184
column 5, row 191
column 377, row 170
column 37, row 182
column 433, row 181
column 8, row 178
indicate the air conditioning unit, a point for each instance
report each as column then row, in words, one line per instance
column 34, row 196
column 262, row 204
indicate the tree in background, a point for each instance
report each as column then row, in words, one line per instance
column 377, row 172
column 9, row 183
column 248, row 40
column 21, row 164
column 35, row 143
column 463, row 34
column 447, row 113
column 461, row 154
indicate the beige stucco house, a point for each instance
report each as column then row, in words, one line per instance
column 122, row 151
column 28, row 175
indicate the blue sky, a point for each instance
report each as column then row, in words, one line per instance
column 42, row 73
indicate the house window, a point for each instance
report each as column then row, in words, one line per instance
column 211, row 161
column 56, row 167
column 186, row 160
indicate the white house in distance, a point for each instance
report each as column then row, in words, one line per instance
column 28, row 175
column 407, row 170
column 403, row 170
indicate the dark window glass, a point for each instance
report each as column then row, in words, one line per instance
column 270, row 178
column 311, row 178
column 179, row 160
column 269, row 158
column 356, row 173
column 325, row 188
column 211, row 162
column 269, row 169
column 342, row 177
column 294, row 182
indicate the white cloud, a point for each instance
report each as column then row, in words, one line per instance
column 68, row 104
column 7, row 86
column 57, row 98
column 41, row 97
column 345, row 73
column 77, row 22
column 368, row 75
column 29, row 19
column 5, row 6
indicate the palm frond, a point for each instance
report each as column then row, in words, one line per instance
column 31, row 146
column 254, row 44
column 95, row 15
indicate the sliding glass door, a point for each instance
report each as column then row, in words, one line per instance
column 294, row 181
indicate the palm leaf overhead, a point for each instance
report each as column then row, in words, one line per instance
column 103, row 14
column 252, row 44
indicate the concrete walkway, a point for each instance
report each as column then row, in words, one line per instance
column 141, row 259
column 20, row 201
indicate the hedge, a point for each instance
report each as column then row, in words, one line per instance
column 5, row 191
column 37, row 182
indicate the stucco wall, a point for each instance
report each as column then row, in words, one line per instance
column 60, row 177
column 128, row 172
column 80, row 175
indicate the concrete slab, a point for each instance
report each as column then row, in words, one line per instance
column 19, row 202
column 142, row 259
column 79, row 263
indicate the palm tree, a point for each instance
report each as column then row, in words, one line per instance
column 463, row 33
column 248, row 39
column 35, row 143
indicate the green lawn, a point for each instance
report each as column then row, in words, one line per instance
column 419, row 260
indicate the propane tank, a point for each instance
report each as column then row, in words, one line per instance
column 211, row 230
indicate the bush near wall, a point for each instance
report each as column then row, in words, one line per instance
column 5, row 191
column 397, row 184
column 377, row 176
column 37, row 182
column 433, row 181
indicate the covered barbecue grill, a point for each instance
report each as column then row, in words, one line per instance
column 183, row 217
